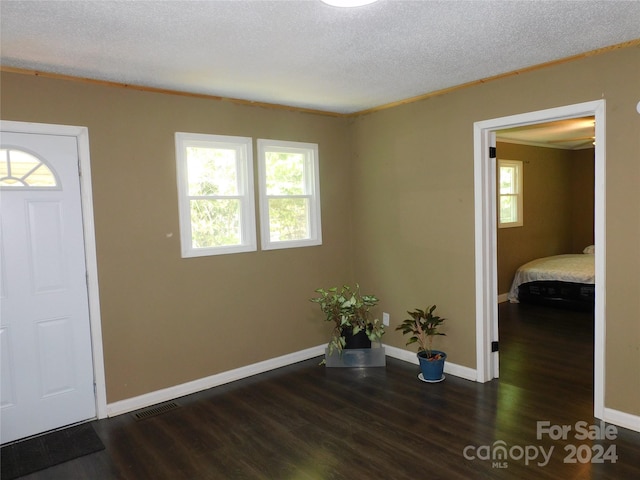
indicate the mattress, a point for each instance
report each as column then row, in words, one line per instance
column 570, row 268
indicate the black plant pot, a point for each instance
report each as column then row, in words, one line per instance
column 359, row 340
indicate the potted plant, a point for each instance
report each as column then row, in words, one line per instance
column 349, row 310
column 423, row 326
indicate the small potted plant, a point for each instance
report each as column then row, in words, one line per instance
column 349, row 310
column 423, row 326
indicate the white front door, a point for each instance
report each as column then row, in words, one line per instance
column 46, row 360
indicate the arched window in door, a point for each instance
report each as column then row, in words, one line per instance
column 20, row 169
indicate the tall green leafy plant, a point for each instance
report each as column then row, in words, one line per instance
column 349, row 310
column 422, row 326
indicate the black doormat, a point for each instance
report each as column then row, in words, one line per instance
column 42, row 452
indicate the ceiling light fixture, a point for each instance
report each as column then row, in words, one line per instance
column 348, row 3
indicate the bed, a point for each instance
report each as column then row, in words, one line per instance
column 561, row 280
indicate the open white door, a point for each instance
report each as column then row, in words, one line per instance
column 45, row 335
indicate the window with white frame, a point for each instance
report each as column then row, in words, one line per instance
column 510, row 175
column 215, row 194
column 289, row 194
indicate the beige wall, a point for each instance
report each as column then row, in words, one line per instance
column 414, row 203
column 397, row 212
column 558, row 188
column 582, row 199
column 168, row 320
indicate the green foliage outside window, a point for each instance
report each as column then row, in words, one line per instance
column 215, row 215
column 288, row 219
column 215, row 223
column 509, row 178
column 288, row 196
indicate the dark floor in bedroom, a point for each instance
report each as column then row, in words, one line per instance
column 306, row 421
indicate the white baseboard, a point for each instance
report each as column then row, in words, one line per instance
column 450, row 368
column 622, row 419
column 177, row 391
column 171, row 393
column 615, row 417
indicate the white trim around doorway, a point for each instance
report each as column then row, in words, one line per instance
column 485, row 238
column 82, row 137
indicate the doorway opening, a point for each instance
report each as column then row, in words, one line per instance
column 487, row 338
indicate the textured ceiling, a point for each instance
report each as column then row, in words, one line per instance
column 305, row 53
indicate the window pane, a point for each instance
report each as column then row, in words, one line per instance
column 288, row 219
column 212, row 171
column 507, row 180
column 285, row 173
column 4, row 163
column 508, row 208
column 18, row 168
column 5, row 180
column 215, row 223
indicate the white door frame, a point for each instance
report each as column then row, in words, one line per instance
column 86, row 197
column 486, row 237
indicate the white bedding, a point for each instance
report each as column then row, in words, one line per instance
column 576, row 268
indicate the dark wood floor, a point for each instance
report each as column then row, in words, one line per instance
column 305, row 421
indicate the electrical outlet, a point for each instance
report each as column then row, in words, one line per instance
column 385, row 319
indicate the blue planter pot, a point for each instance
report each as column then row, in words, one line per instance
column 432, row 370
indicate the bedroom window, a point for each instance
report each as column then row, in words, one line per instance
column 215, row 194
column 510, row 193
column 289, row 194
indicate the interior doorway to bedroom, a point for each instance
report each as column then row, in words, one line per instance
column 555, row 221
column 487, row 312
